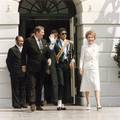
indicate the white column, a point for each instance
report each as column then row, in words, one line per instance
column 9, row 20
column 102, row 16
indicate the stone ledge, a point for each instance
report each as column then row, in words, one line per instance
column 9, row 18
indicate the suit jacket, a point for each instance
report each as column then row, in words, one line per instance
column 13, row 62
column 33, row 57
column 70, row 51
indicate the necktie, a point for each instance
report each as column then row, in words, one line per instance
column 40, row 44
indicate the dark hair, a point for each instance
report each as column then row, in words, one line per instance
column 17, row 37
column 61, row 30
column 38, row 28
column 54, row 31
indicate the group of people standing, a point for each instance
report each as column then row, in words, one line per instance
column 30, row 59
column 35, row 56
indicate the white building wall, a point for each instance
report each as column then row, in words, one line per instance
column 103, row 17
column 9, row 20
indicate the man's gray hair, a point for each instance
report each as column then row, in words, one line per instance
column 38, row 28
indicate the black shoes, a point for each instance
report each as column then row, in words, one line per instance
column 42, row 103
column 33, row 107
column 17, row 107
column 20, row 106
column 39, row 108
column 61, row 108
column 24, row 106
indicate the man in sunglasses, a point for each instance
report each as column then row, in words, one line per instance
column 64, row 54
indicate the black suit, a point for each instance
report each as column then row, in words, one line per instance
column 36, row 61
column 17, row 77
column 63, row 71
column 53, row 72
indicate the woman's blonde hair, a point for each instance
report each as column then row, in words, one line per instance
column 90, row 33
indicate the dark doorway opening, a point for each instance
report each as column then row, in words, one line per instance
column 52, row 14
column 27, row 28
column 48, row 24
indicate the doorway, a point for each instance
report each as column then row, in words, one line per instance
column 52, row 14
column 48, row 24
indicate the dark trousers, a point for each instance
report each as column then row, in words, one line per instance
column 18, row 85
column 51, row 85
column 54, row 79
column 63, row 80
column 36, row 83
column 27, row 88
column 67, row 83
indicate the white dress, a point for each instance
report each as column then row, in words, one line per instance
column 89, row 63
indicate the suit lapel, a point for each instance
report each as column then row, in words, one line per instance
column 16, row 51
column 44, row 43
column 59, row 43
column 37, row 47
column 34, row 43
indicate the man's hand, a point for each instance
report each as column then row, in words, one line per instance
column 24, row 68
column 81, row 72
column 49, row 62
column 52, row 38
column 72, row 64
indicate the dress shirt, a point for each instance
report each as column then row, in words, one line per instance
column 20, row 48
column 39, row 43
column 66, row 49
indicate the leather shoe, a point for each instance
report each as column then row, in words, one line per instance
column 24, row 106
column 33, row 107
column 17, row 107
column 42, row 103
column 63, row 108
column 39, row 108
column 59, row 108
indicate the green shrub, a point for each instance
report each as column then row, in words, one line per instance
column 117, row 56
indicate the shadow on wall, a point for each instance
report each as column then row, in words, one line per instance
column 109, row 14
column 110, row 35
column 107, row 34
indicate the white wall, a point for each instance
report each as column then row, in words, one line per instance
column 103, row 17
column 9, row 20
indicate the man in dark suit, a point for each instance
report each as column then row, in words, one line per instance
column 63, row 51
column 17, row 76
column 52, row 41
column 35, row 58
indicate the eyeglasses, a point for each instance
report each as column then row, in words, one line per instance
column 63, row 33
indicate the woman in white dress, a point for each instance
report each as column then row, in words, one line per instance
column 89, row 69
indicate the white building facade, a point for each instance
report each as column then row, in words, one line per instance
column 101, row 16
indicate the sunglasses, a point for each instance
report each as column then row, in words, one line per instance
column 63, row 33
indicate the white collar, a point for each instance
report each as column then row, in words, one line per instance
column 19, row 47
column 36, row 38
